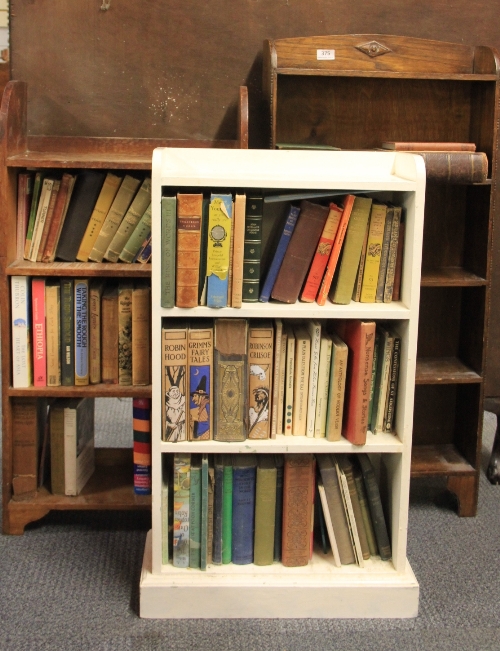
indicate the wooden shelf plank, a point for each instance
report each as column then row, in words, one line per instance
column 385, row 74
column 444, row 370
column 451, row 277
column 79, row 269
column 91, row 390
column 427, row 460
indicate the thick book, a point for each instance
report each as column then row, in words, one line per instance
column 375, row 365
column 289, row 380
column 301, row 380
column 38, row 326
column 137, row 238
column 265, row 510
column 244, row 481
column 325, row 358
column 136, row 210
column 167, row 251
column 48, row 220
column 298, row 488
column 365, row 509
column 175, row 381
column 81, row 346
column 125, row 333
column 85, row 193
column 329, row 524
column 238, row 250
column 60, row 209
column 95, row 329
column 114, row 218
column 227, row 510
column 56, row 428
column 195, row 512
column 382, row 378
column 392, row 254
column 341, row 290
column 103, row 204
column 220, row 220
column 41, row 217
column 373, row 253
column 459, row 167
column 141, row 333
column 37, row 189
column 300, row 251
column 22, row 373
column 254, row 210
column 67, row 325
column 182, row 476
column 360, row 338
column 189, row 218
column 218, row 496
column 279, row 462
column 279, row 254
column 323, row 250
column 336, row 392
column 205, row 511
column 141, row 431
column 386, row 240
column 398, row 271
column 230, row 380
column 200, row 368
column 260, row 377
column 24, row 196
column 314, row 328
column 390, row 409
column 53, row 332
column 351, row 519
column 79, row 453
column 348, row 470
column 202, row 278
column 28, row 424
column 375, row 506
column 276, row 367
column 109, row 341
column 428, row 146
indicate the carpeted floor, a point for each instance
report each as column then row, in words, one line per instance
column 71, row 582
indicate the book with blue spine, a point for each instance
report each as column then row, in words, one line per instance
column 220, row 216
column 279, row 254
column 141, row 424
column 81, row 306
column 244, row 482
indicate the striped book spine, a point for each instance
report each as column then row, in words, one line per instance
column 142, row 445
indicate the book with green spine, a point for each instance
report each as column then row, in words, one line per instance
column 252, row 248
column 227, row 509
column 265, row 510
column 67, row 333
column 204, row 512
column 195, row 512
column 136, row 240
column 168, row 247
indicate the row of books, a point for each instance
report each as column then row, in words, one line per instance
column 74, row 332
column 213, row 250
column 233, row 379
column 88, row 216
column 261, row 509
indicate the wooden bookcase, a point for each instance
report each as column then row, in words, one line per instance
column 381, row 588
column 371, row 88
column 111, row 487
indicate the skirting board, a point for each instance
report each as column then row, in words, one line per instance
column 255, row 595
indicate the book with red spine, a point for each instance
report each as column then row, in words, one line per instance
column 141, row 423
column 38, row 325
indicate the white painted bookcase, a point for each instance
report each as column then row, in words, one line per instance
column 321, row 590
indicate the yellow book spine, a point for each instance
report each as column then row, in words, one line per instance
column 373, row 253
column 52, row 311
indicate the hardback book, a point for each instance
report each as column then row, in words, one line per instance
column 103, row 204
column 379, row 295
column 230, row 270
column 314, row 328
column 392, row 255
column 265, row 510
column 455, row 166
column 279, row 254
column 67, row 327
column 29, row 416
column 373, row 253
column 175, row 381
column 375, row 507
column 358, row 283
column 85, row 193
column 279, row 389
column 230, row 380
column 60, row 209
column 201, row 372
column 137, row 237
column 348, row 470
column 141, row 426
column 244, row 482
column 195, row 512
column 429, row 146
column 227, row 510
column 319, row 521
column 189, row 218
column 218, row 476
column 37, row 188
column 56, row 427
column 300, row 252
column 328, row 521
column 298, row 490
column 116, row 213
column 41, row 216
column 48, row 220
column 141, row 334
column 336, row 392
column 24, row 196
column 220, row 219
column 79, row 454
column 393, row 385
column 341, row 290
column 351, row 519
column 143, row 255
column 168, row 248
column 254, row 210
column 336, row 508
column 289, row 380
column 81, row 348
column 136, row 210
column 331, row 265
column 109, row 338
column 211, row 496
column 301, row 380
column 365, row 509
column 181, row 497
column 279, row 462
column 202, row 278
column 125, row 290
column 95, row 328
column 22, row 370
column 396, row 290
column 38, row 326
column 323, row 250
column 374, row 377
column 165, row 529
column 260, row 378
column 325, row 358
column 204, row 512
column 360, row 338
column 276, row 367
column 238, row 250
column 382, row 378
column 53, row 332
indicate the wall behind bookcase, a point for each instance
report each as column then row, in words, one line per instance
column 172, row 69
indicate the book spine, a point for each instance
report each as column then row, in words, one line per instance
column 392, row 255
column 21, row 337
column 200, row 366
column 238, row 250
column 252, row 249
column 168, row 247
column 373, row 253
column 141, row 335
column 175, row 383
column 125, row 334
column 41, row 216
column 265, row 511
column 365, row 512
column 260, row 380
column 202, row 279
column 278, row 517
column 393, row 386
column 358, row 516
column 182, row 471
column 217, row 507
column 141, row 425
column 60, row 209
column 376, row 361
column 375, row 506
column 70, row 451
column 195, row 517
column 210, row 511
column 289, row 381
column 136, row 240
column 143, row 255
column 456, row 167
column 95, row 294
column 379, row 295
column 37, row 187
column 279, row 389
column 383, row 379
column 301, row 386
column 337, row 391
column 243, row 514
column 53, row 333
column 227, row 511
column 165, row 533
column 57, row 448
column 25, row 443
column 48, row 220
column 312, row 394
column 278, row 336
column 325, row 357
column 38, row 324
column 81, row 347
column 189, row 215
column 204, row 512
column 109, row 336
column 220, row 217
column 430, row 146
column 297, row 506
column 24, row 194
column 358, row 284
column 67, row 293
column 399, row 261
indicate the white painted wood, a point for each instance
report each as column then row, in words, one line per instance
column 319, row 589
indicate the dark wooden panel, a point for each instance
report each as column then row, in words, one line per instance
column 434, row 414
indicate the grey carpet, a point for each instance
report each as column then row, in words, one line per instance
column 71, row 582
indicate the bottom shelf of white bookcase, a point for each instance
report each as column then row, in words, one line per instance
column 315, row 591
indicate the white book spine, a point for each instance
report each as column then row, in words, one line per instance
column 278, row 329
column 21, row 353
column 289, row 382
column 325, row 356
column 314, row 328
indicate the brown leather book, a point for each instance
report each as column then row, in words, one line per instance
column 141, row 334
column 455, row 167
column 28, row 420
column 429, row 146
column 298, row 489
column 189, row 211
column 300, row 252
column 109, row 341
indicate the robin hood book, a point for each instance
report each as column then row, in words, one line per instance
column 260, row 373
column 175, row 382
column 189, row 218
column 200, row 365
